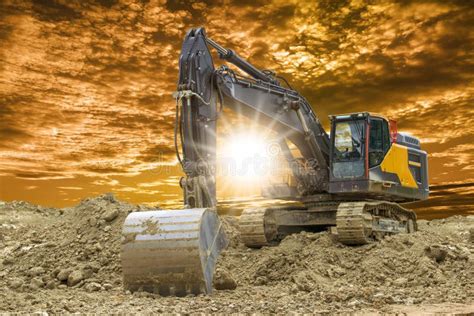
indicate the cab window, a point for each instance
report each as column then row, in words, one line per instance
column 348, row 153
column 379, row 141
column 386, row 137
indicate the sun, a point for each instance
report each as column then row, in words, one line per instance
column 242, row 165
column 244, row 157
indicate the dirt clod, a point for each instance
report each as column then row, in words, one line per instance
column 93, row 287
column 111, row 215
column 75, row 277
column 36, row 271
column 63, row 274
column 436, row 252
column 223, row 280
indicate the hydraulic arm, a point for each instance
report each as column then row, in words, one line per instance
column 260, row 97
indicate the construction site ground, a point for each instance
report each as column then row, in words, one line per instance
column 68, row 260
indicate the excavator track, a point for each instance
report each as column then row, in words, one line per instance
column 353, row 226
column 359, row 223
column 257, row 227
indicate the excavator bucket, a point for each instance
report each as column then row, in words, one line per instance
column 171, row 252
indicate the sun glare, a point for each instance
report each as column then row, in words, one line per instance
column 244, row 157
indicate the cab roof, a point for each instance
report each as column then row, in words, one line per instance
column 355, row 115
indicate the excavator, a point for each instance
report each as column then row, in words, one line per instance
column 350, row 181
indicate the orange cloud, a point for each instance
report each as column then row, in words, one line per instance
column 85, row 88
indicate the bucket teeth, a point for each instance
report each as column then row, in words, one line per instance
column 171, row 252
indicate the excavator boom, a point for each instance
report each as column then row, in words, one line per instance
column 260, row 97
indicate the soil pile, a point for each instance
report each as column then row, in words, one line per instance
column 53, row 259
column 431, row 266
column 75, row 247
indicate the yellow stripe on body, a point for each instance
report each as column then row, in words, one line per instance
column 396, row 161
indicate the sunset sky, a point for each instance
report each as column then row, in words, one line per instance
column 85, row 86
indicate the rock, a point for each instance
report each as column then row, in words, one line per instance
column 400, row 282
column 16, row 283
column 260, row 280
column 93, row 222
column 35, row 271
column 29, row 297
column 98, row 247
column 36, row 283
column 8, row 260
column 109, row 197
column 94, row 266
column 107, row 228
column 87, row 272
column 107, row 286
column 436, row 252
column 51, row 285
column 93, row 287
column 354, row 303
column 110, row 215
column 75, row 277
column 223, row 280
column 63, row 274
column 294, row 289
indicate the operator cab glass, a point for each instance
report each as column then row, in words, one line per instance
column 349, row 149
column 379, row 141
column 349, row 153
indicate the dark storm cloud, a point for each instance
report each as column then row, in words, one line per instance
column 52, row 10
column 157, row 153
column 10, row 132
column 85, row 86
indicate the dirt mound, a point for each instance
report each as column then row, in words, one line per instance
column 433, row 265
column 76, row 247
column 428, row 266
column 53, row 258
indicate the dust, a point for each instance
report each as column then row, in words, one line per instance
column 68, row 260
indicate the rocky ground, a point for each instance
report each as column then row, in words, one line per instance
column 68, row 260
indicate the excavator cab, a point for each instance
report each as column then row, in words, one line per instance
column 368, row 155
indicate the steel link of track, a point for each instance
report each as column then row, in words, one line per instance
column 355, row 220
column 257, row 227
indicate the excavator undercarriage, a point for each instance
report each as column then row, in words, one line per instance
column 350, row 182
column 352, row 223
